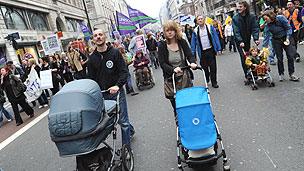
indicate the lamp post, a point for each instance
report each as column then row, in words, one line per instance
column 86, row 11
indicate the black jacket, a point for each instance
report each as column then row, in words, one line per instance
column 108, row 68
column 163, row 55
column 13, row 88
column 151, row 44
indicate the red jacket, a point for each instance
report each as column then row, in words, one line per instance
column 139, row 60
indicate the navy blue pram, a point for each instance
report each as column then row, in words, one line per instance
column 80, row 119
column 197, row 131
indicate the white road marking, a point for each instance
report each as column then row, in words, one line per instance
column 22, row 130
column 275, row 166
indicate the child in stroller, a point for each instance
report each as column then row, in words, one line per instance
column 142, row 71
column 258, row 69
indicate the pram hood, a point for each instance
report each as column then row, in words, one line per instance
column 76, row 111
column 195, row 118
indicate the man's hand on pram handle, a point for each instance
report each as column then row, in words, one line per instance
column 113, row 89
column 178, row 70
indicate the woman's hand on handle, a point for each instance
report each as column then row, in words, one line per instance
column 178, row 70
column 193, row 65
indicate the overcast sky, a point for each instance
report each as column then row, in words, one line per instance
column 149, row 7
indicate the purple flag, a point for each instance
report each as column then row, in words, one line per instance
column 124, row 24
column 139, row 17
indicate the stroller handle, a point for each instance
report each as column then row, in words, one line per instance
column 184, row 68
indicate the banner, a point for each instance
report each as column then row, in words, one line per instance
column 139, row 17
column 33, row 90
column 125, row 25
column 51, row 45
column 85, row 30
column 140, row 43
column 188, row 19
column 46, row 79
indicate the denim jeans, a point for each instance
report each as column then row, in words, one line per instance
column 129, row 86
column 5, row 112
column 126, row 127
column 272, row 53
column 43, row 99
column 290, row 50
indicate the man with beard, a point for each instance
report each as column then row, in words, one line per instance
column 107, row 67
column 244, row 26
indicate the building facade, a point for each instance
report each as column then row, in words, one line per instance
column 102, row 14
column 35, row 20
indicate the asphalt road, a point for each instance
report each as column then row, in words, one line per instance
column 262, row 130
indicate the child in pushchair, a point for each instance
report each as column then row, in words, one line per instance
column 258, row 69
column 80, row 120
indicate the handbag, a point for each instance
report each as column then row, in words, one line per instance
column 183, row 80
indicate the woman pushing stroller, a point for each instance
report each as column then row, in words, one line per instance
column 173, row 54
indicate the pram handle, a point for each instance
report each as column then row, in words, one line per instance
column 184, row 68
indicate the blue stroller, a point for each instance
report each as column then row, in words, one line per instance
column 197, row 131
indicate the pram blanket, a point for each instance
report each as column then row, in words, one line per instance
column 195, row 118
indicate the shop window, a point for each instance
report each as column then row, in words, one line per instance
column 13, row 19
column 70, row 26
column 3, row 58
column 39, row 22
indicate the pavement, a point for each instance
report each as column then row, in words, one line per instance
column 262, row 130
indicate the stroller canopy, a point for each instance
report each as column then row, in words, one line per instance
column 195, row 118
column 77, row 109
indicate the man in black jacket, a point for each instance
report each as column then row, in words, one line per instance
column 244, row 26
column 107, row 67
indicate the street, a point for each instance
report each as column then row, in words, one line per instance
column 262, row 130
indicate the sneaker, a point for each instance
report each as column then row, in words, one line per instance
column 46, row 105
column 134, row 94
column 298, row 59
column 281, row 78
column 293, row 78
column 215, row 86
column 301, row 42
column 272, row 63
column 40, row 107
column 9, row 120
column 132, row 135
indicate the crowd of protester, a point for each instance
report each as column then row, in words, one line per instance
column 170, row 48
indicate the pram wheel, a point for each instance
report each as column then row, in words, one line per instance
column 226, row 168
column 127, row 158
column 116, row 167
column 272, row 85
column 254, row 87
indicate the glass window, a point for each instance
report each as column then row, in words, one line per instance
column 13, row 19
column 70, row 26
column 39, row 22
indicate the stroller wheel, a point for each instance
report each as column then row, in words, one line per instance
column 254, row 87
column 116, row 167
column 271, row 84
column 127, row 158
column 226, row 168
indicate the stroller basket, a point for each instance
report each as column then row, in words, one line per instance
column 195, row 118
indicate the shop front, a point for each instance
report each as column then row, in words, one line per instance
column 3, row 57
column 27, row 50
